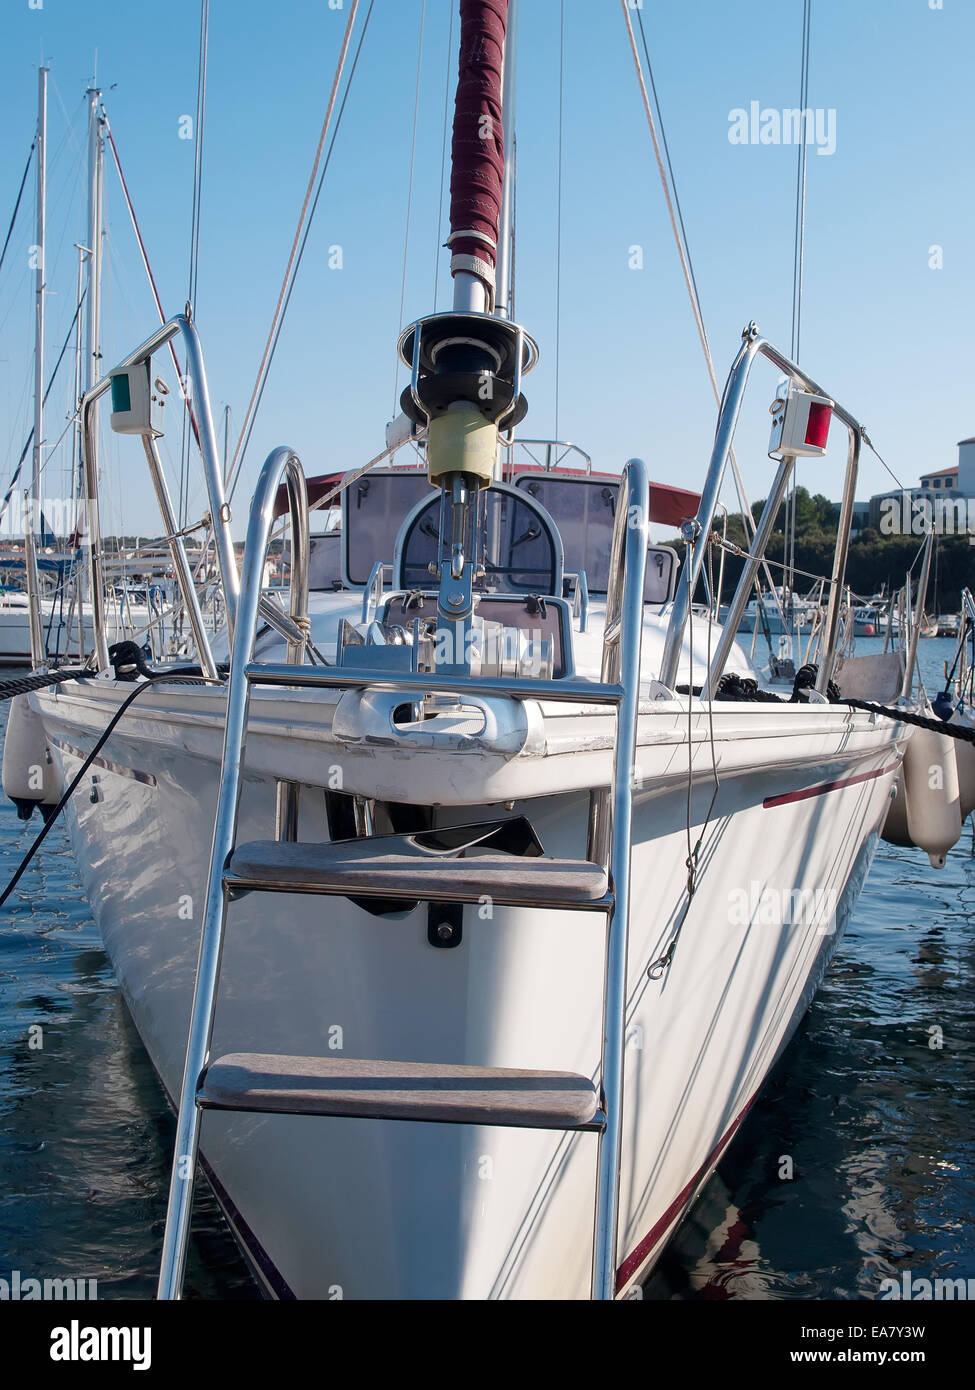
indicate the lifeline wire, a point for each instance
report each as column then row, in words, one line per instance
column 658, row 968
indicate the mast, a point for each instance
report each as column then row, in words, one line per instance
column 39, row 238
column 78, row 467
column 96, row 148
column 32, row 499
column 92, row 349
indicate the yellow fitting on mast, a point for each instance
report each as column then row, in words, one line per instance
column 462, row 441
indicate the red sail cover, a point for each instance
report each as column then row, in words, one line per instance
column 317, row 488
column 477, row 149
column 670, row 506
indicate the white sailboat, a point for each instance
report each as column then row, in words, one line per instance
column 67, row 624
column 465, row 919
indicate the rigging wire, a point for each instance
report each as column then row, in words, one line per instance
column 409, row 204
column 443, row 157
column 800, row 222
column 148, row 269
column 558, row 220
column 304, row 243
column 20, row 194
column 882, row 461
column 201, row 97
column 683, row 248
column 661, row 150
column 70, row 120
column 30, row 438
column 294, row 258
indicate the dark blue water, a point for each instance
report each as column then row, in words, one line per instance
column 86, row 1135
column 875, row 1122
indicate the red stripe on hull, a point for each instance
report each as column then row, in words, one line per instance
column 824, row 787
column 640, row 1253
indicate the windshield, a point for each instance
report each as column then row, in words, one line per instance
column 373, row 510
column 584, row 509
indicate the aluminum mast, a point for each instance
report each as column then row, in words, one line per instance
column 38, row 251
column 96, row 147
column 33, row 498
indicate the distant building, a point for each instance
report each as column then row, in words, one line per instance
column 947, row 485
column 945, row 478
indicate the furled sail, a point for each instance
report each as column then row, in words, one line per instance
column 477, row 148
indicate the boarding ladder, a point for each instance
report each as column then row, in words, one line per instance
column 387, row 867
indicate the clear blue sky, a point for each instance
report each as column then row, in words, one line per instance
column 885, row 333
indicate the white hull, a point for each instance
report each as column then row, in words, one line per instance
column 373, row 1209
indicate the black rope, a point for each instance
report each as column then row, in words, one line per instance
column 183, row 677
column 919, row 721
column 23, row 685
column 20, row 194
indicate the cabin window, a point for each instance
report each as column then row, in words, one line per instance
column 325, row 562
column 373, row 510
column 584, row 509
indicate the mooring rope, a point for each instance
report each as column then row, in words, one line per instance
column 23, row 685
column 920, row 721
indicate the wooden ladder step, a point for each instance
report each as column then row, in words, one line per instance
column 400, row 1091
column 390, row 866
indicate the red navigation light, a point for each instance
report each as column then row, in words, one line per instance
column 817, row 426
column 800, row 423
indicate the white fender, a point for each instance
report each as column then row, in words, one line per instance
column 931, row 796
column 965, row 757
column 30, row 777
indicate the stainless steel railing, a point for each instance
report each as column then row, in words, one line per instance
column 281, row 464
column 555, row 451
column 753, row 345
column 219, row 507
